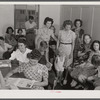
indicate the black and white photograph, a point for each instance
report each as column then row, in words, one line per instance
column 53, row 47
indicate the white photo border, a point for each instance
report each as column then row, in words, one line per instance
column 40, row 94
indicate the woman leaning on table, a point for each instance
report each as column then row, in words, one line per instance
column 33, row 70
column 65, row 43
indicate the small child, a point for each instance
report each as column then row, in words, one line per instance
column 59, row 62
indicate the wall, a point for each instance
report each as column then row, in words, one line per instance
column 52, row 11
column 6, row 17
column 89, row 14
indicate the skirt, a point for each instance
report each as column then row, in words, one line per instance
column 66, row 49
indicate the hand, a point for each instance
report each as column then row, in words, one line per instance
column 82, row 78
column 90, row 78
column 6, row 78
column 20, row 63
column 49, row 65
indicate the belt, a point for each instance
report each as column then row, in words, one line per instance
column 66, row 43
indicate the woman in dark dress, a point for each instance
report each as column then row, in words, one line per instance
column 84, row 50
column 79, row 36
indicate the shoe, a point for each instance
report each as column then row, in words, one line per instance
column 73, row 83
column 54, row 84
column 64, row 82
column 78, row 86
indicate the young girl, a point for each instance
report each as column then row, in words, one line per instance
column 84, row 50
column 83, row 53
column 59, row 62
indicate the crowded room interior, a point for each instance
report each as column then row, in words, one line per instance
column 49, row 47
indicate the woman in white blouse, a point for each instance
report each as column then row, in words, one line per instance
column 21, row 53
column 4, row 48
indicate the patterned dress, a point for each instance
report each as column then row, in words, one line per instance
column 86, row 69
column 66, row 40
column 44, row 35
column 85, row 48
column 35, row 72
column 78, row 41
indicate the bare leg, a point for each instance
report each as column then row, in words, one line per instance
column 61, row 73
column 56, row 80
column 65, row 78
column 2, row 82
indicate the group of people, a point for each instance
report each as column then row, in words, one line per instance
column 47, row 57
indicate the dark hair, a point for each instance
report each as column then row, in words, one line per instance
column 43, row 43
column 54, row 28
column 35, row 54
column 85, row 36
column 1, row 38
column 95, row 41
column 19, row 30
column 67, row 22
column 52, row 43
column 95, row 60
column 48, row 19
column 8, row 29
column 31, row 17
column 81, row 23
column 22, row 40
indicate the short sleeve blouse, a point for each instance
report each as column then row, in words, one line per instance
column 45, row 34
column 66, row 37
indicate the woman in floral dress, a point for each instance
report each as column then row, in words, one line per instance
column 65, row 43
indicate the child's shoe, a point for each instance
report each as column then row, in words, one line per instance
column 73, row 83
column 64, row 82
column 54, row 84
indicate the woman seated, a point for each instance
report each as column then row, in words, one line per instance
column 95, row 47
column 92, row 73
column 84, row 50
column 20, row 55
column 33, row 71
column 5, row 49
column 20, row 35
column 9, row 37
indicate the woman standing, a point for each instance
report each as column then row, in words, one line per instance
column 65, row 43
column 45, row 33
column 79, row 36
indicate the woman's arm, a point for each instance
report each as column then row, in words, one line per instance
column 11, row 73
column 58, row 40
column 80, row 54
column 37, row 41
column 73, row 44
column 53, row 36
